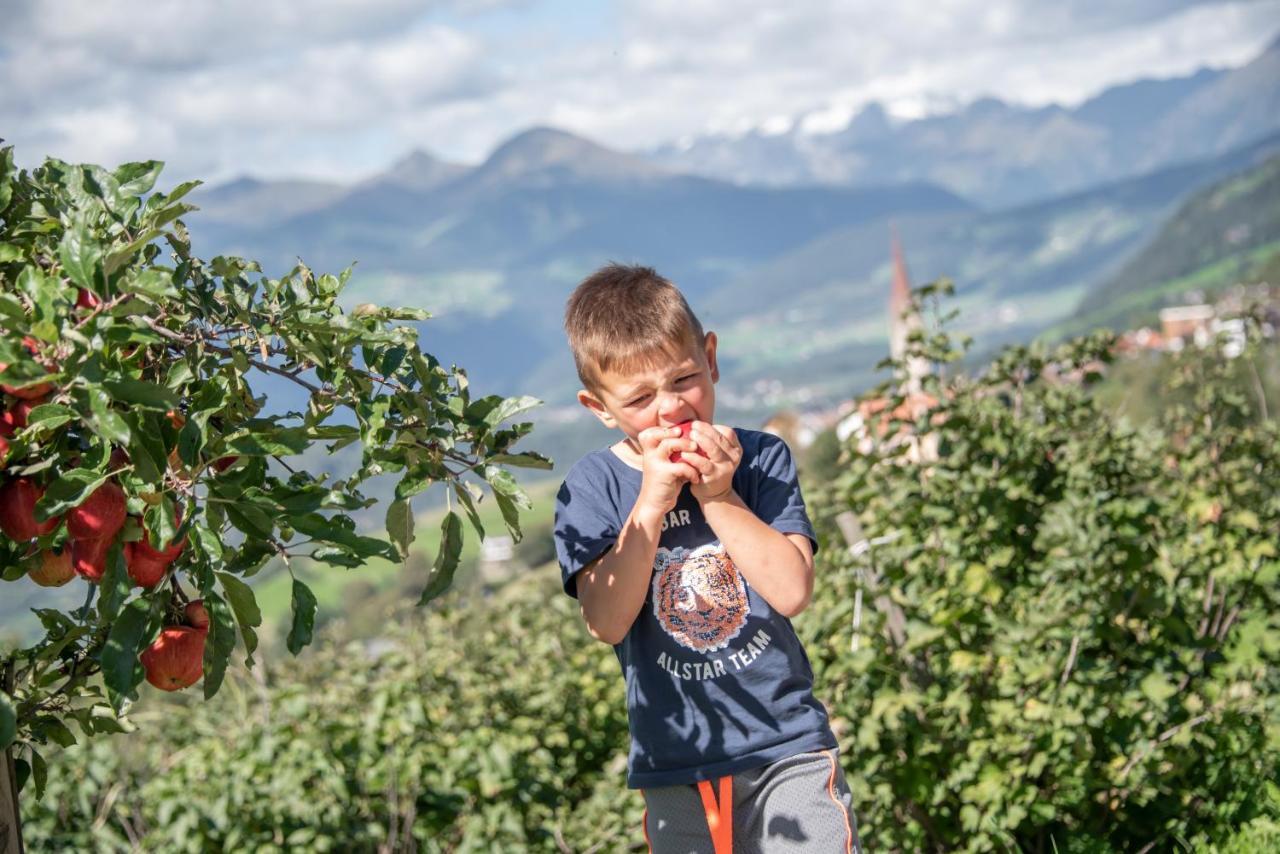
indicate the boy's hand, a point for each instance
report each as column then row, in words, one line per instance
column 663, row 479
column 720, row 453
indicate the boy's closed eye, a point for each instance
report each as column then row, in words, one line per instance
column 643, row 398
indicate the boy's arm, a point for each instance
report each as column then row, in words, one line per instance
column 779, row 566
column 612, row 589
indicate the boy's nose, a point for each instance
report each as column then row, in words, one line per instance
column 669, row 408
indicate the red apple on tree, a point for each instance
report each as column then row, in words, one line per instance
column 197, row 616
column 15, row 417
column 176, row 659
column 100, row 516
column 30, row 392
column 18, row 500
column 86, row 298
column 54, row 569
column 89, row 558
column 147, row 566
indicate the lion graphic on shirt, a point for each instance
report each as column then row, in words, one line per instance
column 699, row 597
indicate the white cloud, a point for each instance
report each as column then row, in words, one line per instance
column 339, row 88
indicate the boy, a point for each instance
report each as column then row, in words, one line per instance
column 688, row 548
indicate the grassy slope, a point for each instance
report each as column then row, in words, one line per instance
column 1142, row 308
column 1225, row 233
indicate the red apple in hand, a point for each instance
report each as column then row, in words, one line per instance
column 686, row 427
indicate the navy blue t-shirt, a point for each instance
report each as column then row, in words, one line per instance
column 717, row 681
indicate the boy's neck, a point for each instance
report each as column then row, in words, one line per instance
column 628, row 453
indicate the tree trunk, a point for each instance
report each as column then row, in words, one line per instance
column 10, row 820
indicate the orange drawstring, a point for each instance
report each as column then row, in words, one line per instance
column 719, row 820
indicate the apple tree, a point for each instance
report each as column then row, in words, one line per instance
column 142, row 460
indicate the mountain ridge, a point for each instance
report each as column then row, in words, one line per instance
column 1000, row 155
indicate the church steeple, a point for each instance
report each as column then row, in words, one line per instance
column 902, row 320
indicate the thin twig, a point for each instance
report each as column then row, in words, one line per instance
column 1071, row 660
column 1162, row 738
column 226, row 351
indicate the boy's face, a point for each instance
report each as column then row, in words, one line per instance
column 675, row 390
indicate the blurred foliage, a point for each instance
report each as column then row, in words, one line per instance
column 479, row 728
column 1069, row 628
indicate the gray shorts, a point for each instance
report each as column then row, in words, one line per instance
column 798, row 804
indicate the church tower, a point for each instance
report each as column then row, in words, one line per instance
column 903, row 321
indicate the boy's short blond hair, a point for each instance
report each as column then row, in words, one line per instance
column 624, row 317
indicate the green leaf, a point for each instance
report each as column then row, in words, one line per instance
column 210, row 542
column 251, row 519
column 407, row 314
column 221, row 642
column 39, row 772
column 181, row 190
column 80, row 254
column 190, row 441
column 142, row 393
column 242, row 600
column 115, row 585
column 463, row 491
column 146, row 446
column 504, row 484
column 6, row 176
column 1158, row 688
column 121, row 669
column 329, row 531
column 304, row 617
column 151, row 282
column 245, row 606
column 106, row 422
column 57, row 732
column 162, row 522
column 416, row 480
column 68, row 491
column 400, row 526
column 528, row 460
column 447, row 558
column 280, row 442
column 50, row 415
column 510, row 515
column 510, row 407
column 8, row 722
column 137, row 178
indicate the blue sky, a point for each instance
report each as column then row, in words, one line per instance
column 339, row 89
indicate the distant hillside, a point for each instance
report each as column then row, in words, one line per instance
column 1216, row 238
column 999, row 154
column 494, row 250
column 817, row 316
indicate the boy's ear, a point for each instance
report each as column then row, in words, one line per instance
column 591, row 402
column 710, row 343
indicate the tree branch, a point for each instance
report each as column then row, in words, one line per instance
column 226, row 351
